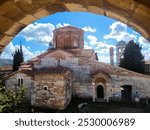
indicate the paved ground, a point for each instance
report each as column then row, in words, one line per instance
column 99, row 107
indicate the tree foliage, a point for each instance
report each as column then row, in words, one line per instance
column 51, row 45
column 17, row 58
column 12, row 100
column 133, row 58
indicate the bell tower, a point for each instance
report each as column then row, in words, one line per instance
column 120, row 47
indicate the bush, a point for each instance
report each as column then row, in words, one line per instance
column 12, row 100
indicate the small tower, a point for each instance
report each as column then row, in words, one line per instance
column 111, row 51
column 120, row 47
column 70, row 38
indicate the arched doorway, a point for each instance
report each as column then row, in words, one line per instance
column 100, row 91
column 126, row 93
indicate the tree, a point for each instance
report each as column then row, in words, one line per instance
column 17, row 58
column 132, row 58
column 50, row 45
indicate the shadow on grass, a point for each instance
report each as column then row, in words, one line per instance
column 97, row 107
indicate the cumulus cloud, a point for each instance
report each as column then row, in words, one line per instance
column 59, row 25
column 145, row 47
column 119, row 32
column 10, row 49
column 86, row 28
column 142, row 41
column 101, row 48
column 87, row 46
column 89, row 29
column 39, row 32
column 92, row 39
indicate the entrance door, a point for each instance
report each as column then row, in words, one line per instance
column 100, row 91
column 126, row 93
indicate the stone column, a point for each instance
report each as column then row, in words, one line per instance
column 107, row 92
column 93, row 86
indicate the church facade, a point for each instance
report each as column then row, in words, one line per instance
column 68, row 70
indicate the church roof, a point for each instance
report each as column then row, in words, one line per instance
column 120, row 43
column 107, row 69
column 28, row 72
column 47, row 52
column 59, row 70
column 87, row 52
column 68, row 27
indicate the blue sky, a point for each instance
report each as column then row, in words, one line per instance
column 101, row 33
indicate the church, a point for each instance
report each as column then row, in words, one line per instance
column 68, row 70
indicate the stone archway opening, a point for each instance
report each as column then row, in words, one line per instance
column 100, row 92
column 17, row 14
column 126, row 93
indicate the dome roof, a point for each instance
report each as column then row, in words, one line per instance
column 120, row 43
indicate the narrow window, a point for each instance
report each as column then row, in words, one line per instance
column 75, row 42
column 20, row 82
column 45, row 87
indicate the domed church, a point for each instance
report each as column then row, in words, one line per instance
column 68, row 70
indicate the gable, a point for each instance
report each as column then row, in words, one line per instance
column 58, row 54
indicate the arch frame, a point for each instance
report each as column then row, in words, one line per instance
column 17, row 14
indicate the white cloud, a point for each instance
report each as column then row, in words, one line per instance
column 119, row 32
column 59, row 25
column 145, row 47
column 142, row 41
column 89, row 29
column 92, row 39
column 10, row 49
column 103, row 58
column 87, row 46
column 39, row 32
column 102, row 49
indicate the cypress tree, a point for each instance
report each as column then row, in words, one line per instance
column 17, row 58
column 133, row 58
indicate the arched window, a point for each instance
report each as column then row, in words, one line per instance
column 60, row 41
column 76, row 42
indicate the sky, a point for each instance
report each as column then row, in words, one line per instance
column 101, row 33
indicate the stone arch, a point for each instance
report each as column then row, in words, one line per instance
column 100, row 82
column 17, row 14
column 60, row 41
column 67, row 41
column 100, row 79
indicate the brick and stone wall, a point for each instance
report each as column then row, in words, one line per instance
column 52, row 91
column 12, row 83
column 139, row 84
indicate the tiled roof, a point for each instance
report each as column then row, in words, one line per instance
column 68, row 27
column 28, row 72
column 87, row 52
column 52, row 70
